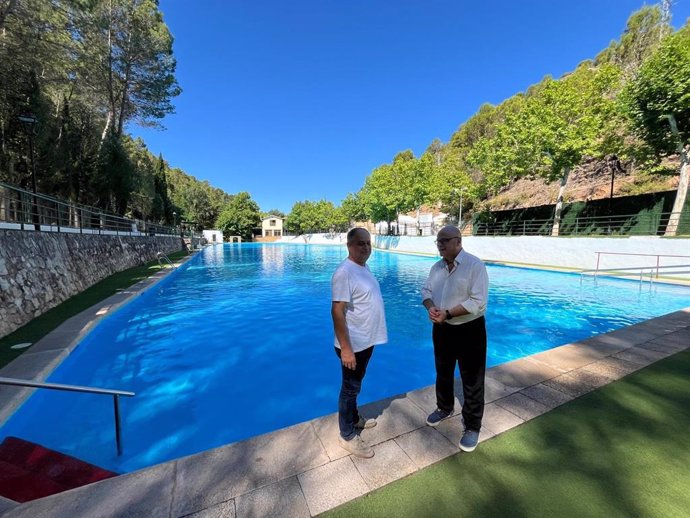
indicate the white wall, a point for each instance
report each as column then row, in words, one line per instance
column 577, row 253
column 208, row 234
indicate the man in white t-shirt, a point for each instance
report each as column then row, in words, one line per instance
column 359, row 322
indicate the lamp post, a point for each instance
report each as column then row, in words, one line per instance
column 459, row 191
column 29, row 120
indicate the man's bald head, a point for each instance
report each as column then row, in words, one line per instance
column 449, row 231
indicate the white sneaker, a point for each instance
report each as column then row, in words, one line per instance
column 356, row 446
column 365, row 423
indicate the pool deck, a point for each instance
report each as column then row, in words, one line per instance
column 300, row 471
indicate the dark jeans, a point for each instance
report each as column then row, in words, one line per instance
column 348, row 414
column 464, row 344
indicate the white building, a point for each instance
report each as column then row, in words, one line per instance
column 213, row 236
column 272, row 226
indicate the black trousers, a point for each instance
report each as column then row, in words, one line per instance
column 464, row 344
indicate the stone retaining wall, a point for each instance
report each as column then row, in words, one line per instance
column 39, row 270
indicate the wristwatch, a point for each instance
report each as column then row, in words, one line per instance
column 448, row 315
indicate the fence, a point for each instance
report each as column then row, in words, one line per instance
column 24, row 210
column 623, row 225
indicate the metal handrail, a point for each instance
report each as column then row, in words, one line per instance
column 658, row 257
column 640, row 269
column 623, row 225
column 77, row 388
column 161, row 256
column 25, row 210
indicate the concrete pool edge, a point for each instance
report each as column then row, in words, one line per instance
column 291, row 468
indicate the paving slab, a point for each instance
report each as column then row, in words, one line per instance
column 569, row 357
column 640, row 355
column 217, row 475
column 222, row 510
column 36, row 366
column 494, row 389
column 612, row 368
column 498, row 419
column 425, row 398
column 327, row 431
column 568, row 384
column 660, row 346
column 331, row 485
column 605, row 344
column 521, row 373
column 632, row 335
column 426, row 446
column 6, row 504
column 389, row 463
column 585, row 377
column 397, row 416
column 679, row 340
column 547, row 396
column 284, row 499
column 522, row 406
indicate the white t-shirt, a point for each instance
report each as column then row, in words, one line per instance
column 364, row 313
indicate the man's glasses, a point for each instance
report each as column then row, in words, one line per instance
column 444, row 241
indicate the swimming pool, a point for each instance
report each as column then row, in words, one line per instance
column 238, row 342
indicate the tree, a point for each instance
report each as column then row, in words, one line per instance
column 658, row 101
column 273, row 212
column 644, row 31
column 239, row 217
column 114, row 176
column 556, row 125
column 353, row 208
column 126, row 57
column 161, row 209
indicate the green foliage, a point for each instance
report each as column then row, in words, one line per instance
column 273, row 212
column 353, row 207
column 662, row 88
column 644, row 31
column 114, row 175
column 321, row 216
column 239, row 217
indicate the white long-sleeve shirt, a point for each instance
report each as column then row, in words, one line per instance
column 467, row 285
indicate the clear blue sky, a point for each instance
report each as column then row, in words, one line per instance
column 295, row 100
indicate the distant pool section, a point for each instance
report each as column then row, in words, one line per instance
column 239, row 342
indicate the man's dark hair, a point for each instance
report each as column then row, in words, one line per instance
column 351, row 233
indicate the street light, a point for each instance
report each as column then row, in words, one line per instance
column 29, row 120
column 460, row 209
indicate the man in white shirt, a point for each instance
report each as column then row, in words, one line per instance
column 360, row 324
column 455, row 295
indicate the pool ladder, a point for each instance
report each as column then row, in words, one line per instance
column 164, row 258
column 76, row 388
column 651, row 271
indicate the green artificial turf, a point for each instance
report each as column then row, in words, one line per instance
column 620, row 451
column 45, row 323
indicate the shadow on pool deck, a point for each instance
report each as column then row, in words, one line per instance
column 300, row 471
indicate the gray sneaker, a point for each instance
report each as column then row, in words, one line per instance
column 469, row 440
column 357, row 447
column 365, row 423
column 437, row 416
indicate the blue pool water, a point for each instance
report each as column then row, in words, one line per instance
column 239, row 342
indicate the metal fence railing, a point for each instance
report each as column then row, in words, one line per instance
column 24, row 210
column 643, row 224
